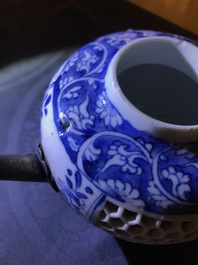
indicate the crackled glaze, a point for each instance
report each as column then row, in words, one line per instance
column 96, row 151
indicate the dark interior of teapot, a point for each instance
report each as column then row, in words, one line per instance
column 161, row 88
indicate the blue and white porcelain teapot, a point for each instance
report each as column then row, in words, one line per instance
column 119, row 133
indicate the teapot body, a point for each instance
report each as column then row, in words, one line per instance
column 117, row 167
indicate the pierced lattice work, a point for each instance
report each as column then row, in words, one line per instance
column 140, row 228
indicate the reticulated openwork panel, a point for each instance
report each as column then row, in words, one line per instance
column 140, row 228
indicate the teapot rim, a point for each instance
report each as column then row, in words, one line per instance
column 140, row 120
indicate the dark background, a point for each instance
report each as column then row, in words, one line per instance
column 29, row 27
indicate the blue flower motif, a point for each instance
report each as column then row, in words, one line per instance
column 75, row 201
column 179, row 181
column 70, row 190
column 79, row 115
column 107, row 112
column 71, row 62
column 157, row 196
column 65, row 81
column 124, row 158
column 121, row 191
column 86, row 62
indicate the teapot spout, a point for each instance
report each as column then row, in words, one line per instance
column 25, row 167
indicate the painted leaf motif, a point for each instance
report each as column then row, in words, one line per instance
column 78, row 179
column 48, row 100
column 69, row 183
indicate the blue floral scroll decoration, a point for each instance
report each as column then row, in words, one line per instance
column 125, row 164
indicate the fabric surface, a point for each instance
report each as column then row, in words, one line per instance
column 37, row 226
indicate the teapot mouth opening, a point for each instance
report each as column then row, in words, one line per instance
column 156, row 79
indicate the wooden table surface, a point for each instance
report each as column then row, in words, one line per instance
column 183, row 13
